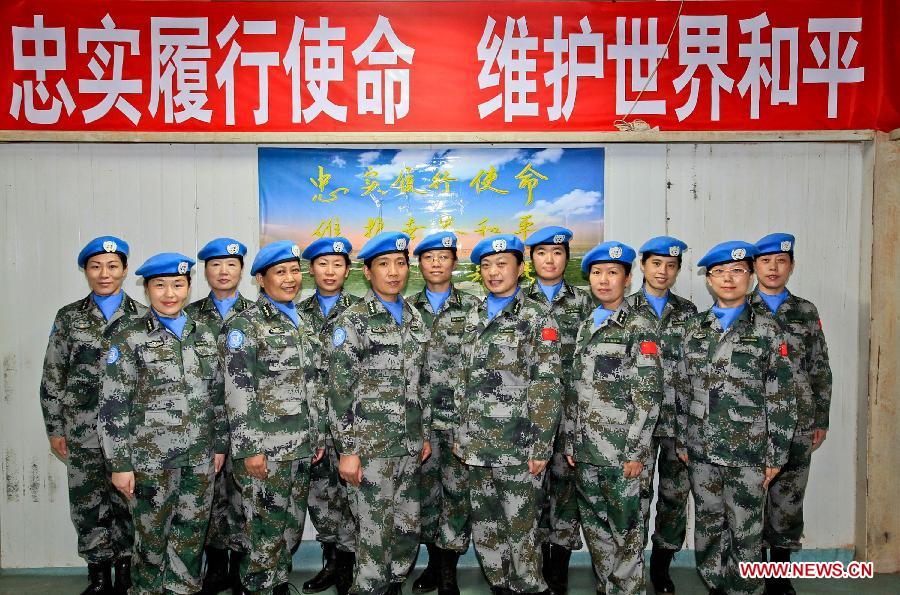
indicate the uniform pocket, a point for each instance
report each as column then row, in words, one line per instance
column 698, row 409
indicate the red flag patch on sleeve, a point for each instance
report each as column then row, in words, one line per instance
column 783, row 350
column 820, row 324
column 648, row 348
column 549, row 333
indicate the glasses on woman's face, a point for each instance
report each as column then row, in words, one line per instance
column 431, row 258
column 735, row 272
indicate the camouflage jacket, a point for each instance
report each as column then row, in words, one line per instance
column 617, row 383
column 162, row 401
column 669, row 332
column 320, row 323
column 509, row 401
column 73, row 367
column 443, row 363
column 274, row 399
column 204, row 310
column 378, row 408
column 808, row 352
column 735, row 405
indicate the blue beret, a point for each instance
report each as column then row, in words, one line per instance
column 664, row 246
column 222, row 248
column 775, row 243
column 608, row 252
column 165, row 264
column 442, row 240
column 102, row 245
column 324, row 246
column 275, row 253
column 549, row 235
column 383, row 243
column 727, row 252
column 498, row 244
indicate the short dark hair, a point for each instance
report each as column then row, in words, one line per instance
column 344, row 254
column 237, row 256
column 368, row 262
column 647, row 255
column 790, row 255
column 625, row 265
column 453, row 250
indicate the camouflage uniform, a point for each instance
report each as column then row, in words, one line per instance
column 226, row 521
column 162, row 416
column 560, row 517
column 445, row 480
column 617, row 386
column 674, row 483
column 509, row 408
column 70, row 399
column 275, row 406
column 808, row 353
column 329, row 509
column 378, row 412
column 736, row 415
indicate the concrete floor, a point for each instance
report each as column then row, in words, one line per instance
column 72, row 582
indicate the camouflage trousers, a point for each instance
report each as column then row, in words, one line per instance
column 99, row 512
column 226, row 522
column 560, row 518
column 613, row 523
column 783, row 517
column 506, row 507
column 171, row 514
column 386, row 510
column 329, row 509
column 728, row 503
column 445, row 496
column 672, row 495
column 274, row 513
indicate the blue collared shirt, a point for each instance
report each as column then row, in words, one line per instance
column 657, row 303
column 601, row 314
column 727, row 316
column 394, row 308
column 550, row 291
column 108, row 304
column 436, row 299
column 173, row 325
column 496, row 304
column 289, row 309
column 224, row 306
column 773, row 301
column 326, row 303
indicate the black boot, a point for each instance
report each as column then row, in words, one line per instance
column 500, row 591
column 556, row 573
column 447, row 580
column 395, row 589
column 325, row 578
column 282, row 589
column 660, row 560
column 343, row 580
column 216, row 578
column 782, row 586
column 123, row 576
column 428, row 580
column 717, row 591
column 100, row 579
column 234, row 572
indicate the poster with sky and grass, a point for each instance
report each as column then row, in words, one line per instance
column 305, row 194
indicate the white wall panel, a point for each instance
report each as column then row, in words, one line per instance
column 55, row 197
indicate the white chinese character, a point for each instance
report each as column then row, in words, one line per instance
column 562, row 47
column 114, row 86
column 375, row 89
column 756, row 50
column 291, row 64
column 509, row 54
column 323, row 63
column 261, row 60
column 833, row 74
column 643, row 58
column 41, row 39
column 787, row 94
column 707, row 47
column 179, row 67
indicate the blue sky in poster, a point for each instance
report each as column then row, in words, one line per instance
column 572, row 194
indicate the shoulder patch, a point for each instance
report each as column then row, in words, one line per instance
column 783, row 349
column 113, row 355
column 235, row 339
column 648, row 348
column 339, row 336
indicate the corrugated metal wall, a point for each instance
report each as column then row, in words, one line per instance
column 55, row 197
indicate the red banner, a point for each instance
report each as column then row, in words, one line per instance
column 447, row 66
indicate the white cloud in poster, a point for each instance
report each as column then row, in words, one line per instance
column 576, row 203
column 368, row 157
column 551, row 155
column 338, row 161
